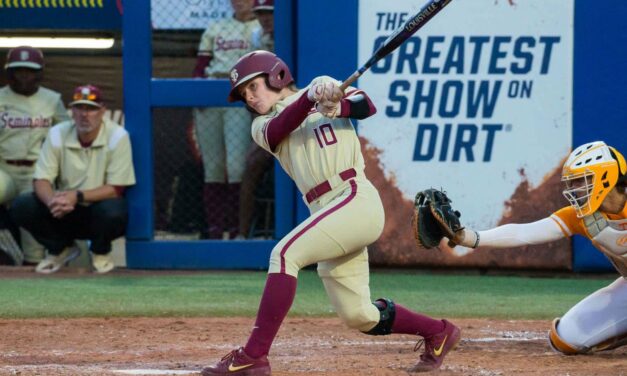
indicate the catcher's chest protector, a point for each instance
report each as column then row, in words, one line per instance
column 610, row 237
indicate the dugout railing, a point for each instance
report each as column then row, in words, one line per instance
column 142, row 94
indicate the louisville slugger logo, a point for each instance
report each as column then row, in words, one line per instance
column 425, row 14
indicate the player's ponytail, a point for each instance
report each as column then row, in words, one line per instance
column 622, row 166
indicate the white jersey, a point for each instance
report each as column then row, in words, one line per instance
column 317, row 149
column 25, row 121
column 226, row 41
column 68, row 165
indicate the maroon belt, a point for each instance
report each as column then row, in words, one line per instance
column 19, row 162
column 325, row 187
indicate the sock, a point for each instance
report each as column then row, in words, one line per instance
column 408, row 322
column 232, row 214
column 276, row 301
column 213, row 197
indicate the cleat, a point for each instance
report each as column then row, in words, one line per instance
column 102, row 263
column 436, row 348
column 237, row 362
column 52, row 263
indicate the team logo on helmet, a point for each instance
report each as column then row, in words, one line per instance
column 24, row 55
column 234, row 75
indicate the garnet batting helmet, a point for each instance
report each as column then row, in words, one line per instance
column 254, row 64
column 25, row 57
column 590, row 173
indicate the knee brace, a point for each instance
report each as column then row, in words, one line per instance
column 387, row 313
column 558, row 344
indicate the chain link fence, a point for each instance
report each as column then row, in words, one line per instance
column 211, row 180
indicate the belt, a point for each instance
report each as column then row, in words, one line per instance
column 19, row 162
column 325, row 187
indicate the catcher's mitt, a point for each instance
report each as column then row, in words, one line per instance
column 434, row 218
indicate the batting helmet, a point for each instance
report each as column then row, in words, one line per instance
column 24, row 57
column 263, row 5
column 590, row 173
column 257, row 63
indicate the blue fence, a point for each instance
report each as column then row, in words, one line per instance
column 327, row 44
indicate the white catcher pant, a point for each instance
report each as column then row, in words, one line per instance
column 600, row 316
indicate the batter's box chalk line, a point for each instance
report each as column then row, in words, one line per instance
column 150, row 372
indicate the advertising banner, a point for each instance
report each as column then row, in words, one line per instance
column 479, row 103
column 188, row 14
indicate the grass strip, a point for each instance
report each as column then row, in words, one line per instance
column 222, row 294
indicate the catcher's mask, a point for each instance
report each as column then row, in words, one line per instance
column 254, row 64
column 590, row 173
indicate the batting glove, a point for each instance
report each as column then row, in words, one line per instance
column 328, row 103
column 316, row 91
column 329, row 109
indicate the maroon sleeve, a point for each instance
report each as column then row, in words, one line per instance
column 289, row 119
column 201, row 63
column 119, row 190
column 357, row 105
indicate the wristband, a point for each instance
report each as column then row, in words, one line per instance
column 477, row 240
column 80, row 197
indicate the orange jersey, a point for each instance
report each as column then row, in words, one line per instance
column 608, row 232
column 567, row 220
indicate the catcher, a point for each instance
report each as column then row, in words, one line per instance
column 595, row 178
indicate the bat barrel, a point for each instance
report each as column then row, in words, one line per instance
column 399, row 36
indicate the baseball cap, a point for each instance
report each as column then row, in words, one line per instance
column 261, row 5
column 87, row 94
column 25, row 57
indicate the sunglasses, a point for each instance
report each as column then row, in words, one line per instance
column 89, row 97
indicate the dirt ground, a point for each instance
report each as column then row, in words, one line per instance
column 311, row 346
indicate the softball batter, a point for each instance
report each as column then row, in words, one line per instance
column 222, row 132
column 595, row 176
column 310, row 134
column 27, row 112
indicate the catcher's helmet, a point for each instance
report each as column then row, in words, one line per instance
column 24, row 57
column 590, row 173
column 257, row 63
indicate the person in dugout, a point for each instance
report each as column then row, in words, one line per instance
column 27, row 112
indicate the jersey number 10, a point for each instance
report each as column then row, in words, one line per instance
column 325, row 135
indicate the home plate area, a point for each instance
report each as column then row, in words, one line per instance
column 304, row 346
